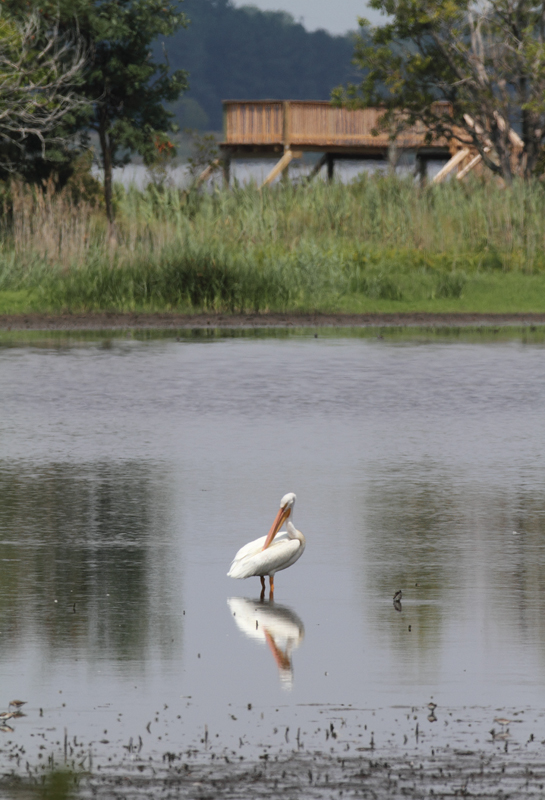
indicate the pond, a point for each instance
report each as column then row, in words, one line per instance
column 245, row 172
column 133, row 466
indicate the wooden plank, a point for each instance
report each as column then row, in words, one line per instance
column 288, row 156
column 286, row 127
column 473, row 163
column 514, row 138
column 317, row 167
column 451, row 164
column 468, row 167
column 207, row 171
column 310, row 123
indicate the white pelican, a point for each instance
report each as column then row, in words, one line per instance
column 269, row 554
column 277, row 626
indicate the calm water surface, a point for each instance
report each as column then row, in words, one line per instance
column 131, row 470
column 244, row 172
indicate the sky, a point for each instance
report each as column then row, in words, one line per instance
column 336, row 17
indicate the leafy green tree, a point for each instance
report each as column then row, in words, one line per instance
column 125, row 86
column 486, row 61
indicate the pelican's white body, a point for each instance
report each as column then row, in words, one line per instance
column 284, row 550
column 252, row 560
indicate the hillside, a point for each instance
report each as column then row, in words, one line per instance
column 244, row 53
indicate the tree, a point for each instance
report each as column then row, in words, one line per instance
column 486, row 60
column 40, row 69
column 124, row 85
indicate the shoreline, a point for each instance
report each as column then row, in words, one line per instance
column 105, row 320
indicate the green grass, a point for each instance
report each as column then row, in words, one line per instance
column 507, row 293
column 380, row 244
column 16, row 302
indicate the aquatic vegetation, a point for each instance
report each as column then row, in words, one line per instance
column 56, row 783
column 380, row 242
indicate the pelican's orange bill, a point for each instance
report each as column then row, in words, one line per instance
column 282, row 515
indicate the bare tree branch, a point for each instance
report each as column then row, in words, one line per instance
column 39, row 74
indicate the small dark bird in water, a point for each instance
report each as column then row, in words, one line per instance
column 398, row 595
column 7, row 715
column 18, row 703
column 432, row 706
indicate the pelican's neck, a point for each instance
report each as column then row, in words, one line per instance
column 292, row 531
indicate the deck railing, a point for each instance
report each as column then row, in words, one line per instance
column 259, row 122
column 300, row 123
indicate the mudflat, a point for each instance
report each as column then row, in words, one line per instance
column 464, row 773
column 116, row 320
column 303, row 775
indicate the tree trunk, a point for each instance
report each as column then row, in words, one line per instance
column 526, row 159
column 106, row 149
column 505, row 161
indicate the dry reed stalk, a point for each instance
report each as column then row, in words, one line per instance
column 50, row 225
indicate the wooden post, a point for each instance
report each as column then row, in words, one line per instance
column 468, row 167
column 317, row 167
column 281, row 165
column 514, row 138
column 450, row 165
column 286, row 128
column 207, row 171
column 330, row 166
column 393, row 157
column 421, row 171
column 286, row 131
column 226, row 168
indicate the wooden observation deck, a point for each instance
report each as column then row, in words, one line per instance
column 288, row 128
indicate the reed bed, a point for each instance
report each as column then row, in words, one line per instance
column 287, row 248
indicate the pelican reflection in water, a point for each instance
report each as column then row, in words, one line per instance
column 278, row 626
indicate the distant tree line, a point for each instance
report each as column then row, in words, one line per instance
column 243, row 53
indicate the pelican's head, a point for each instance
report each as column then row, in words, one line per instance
column 288, row 501
column 286, row 507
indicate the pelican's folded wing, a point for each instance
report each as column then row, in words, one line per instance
column 250, row 549
column 274, row 558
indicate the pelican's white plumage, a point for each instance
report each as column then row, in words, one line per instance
column 253, row 560
column 272, row 553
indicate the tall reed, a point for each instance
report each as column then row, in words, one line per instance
column 287, row 247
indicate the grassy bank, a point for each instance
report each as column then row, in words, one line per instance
column 380, row 244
